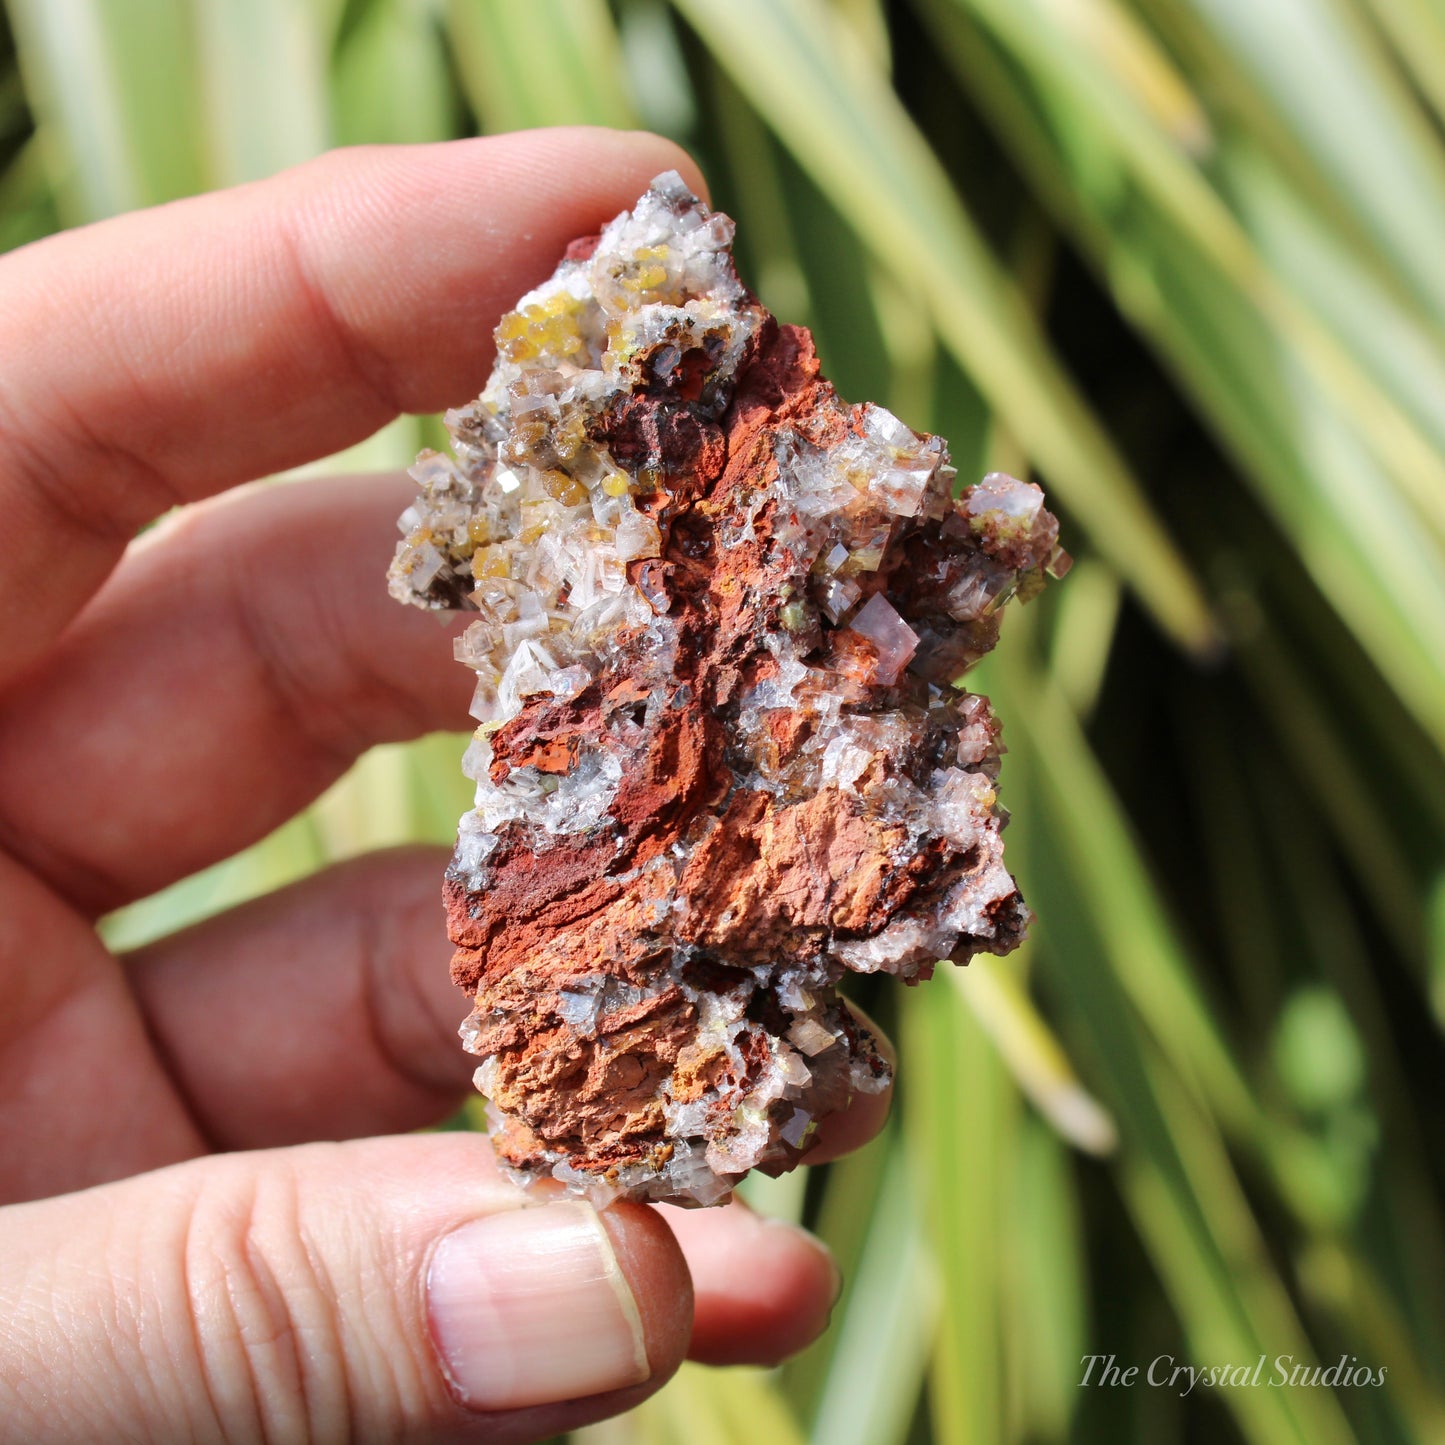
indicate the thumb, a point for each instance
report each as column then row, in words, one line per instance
column 387, row 1289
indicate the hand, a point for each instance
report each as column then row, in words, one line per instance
column 167, row 702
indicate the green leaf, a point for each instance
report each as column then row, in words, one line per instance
column 959, row 1090
column 116, row 99
column 391, row 82
column 1188, row 279
column 27, row 202
column 884, row 1324
column 806, row 75
column 1026, row 1044
column 263, row 81
column 545, row 62
column 1320, row 67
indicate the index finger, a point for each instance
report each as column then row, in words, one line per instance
column 165, row 355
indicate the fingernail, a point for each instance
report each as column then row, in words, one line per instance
column 531, row 1307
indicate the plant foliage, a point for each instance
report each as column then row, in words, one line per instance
column 1183, row 258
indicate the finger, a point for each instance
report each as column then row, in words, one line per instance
column 762, row 1288
column 85, row 1098
column 339, row 1014
column 238, row 661
column 165, row 355
column 378, row 1290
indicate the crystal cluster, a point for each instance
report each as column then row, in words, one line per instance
column 724, row 753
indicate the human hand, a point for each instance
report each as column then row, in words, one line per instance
column 165, row 703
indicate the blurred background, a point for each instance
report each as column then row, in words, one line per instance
column 1184, row 259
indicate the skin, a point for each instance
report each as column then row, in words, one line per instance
column 167, row 701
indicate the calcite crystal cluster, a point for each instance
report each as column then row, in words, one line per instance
column 724, row 756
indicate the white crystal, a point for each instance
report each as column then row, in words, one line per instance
column 637, row 536
column 999, row 492
column 796, row 1129
column 811, row 1037
column 896, row 641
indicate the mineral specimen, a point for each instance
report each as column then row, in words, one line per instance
column 724, row 753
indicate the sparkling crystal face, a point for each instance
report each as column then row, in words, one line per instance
column 724, row 755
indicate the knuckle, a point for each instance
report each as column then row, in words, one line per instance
column 298, row 1331
column 268, row 1333
column 410, row 1035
